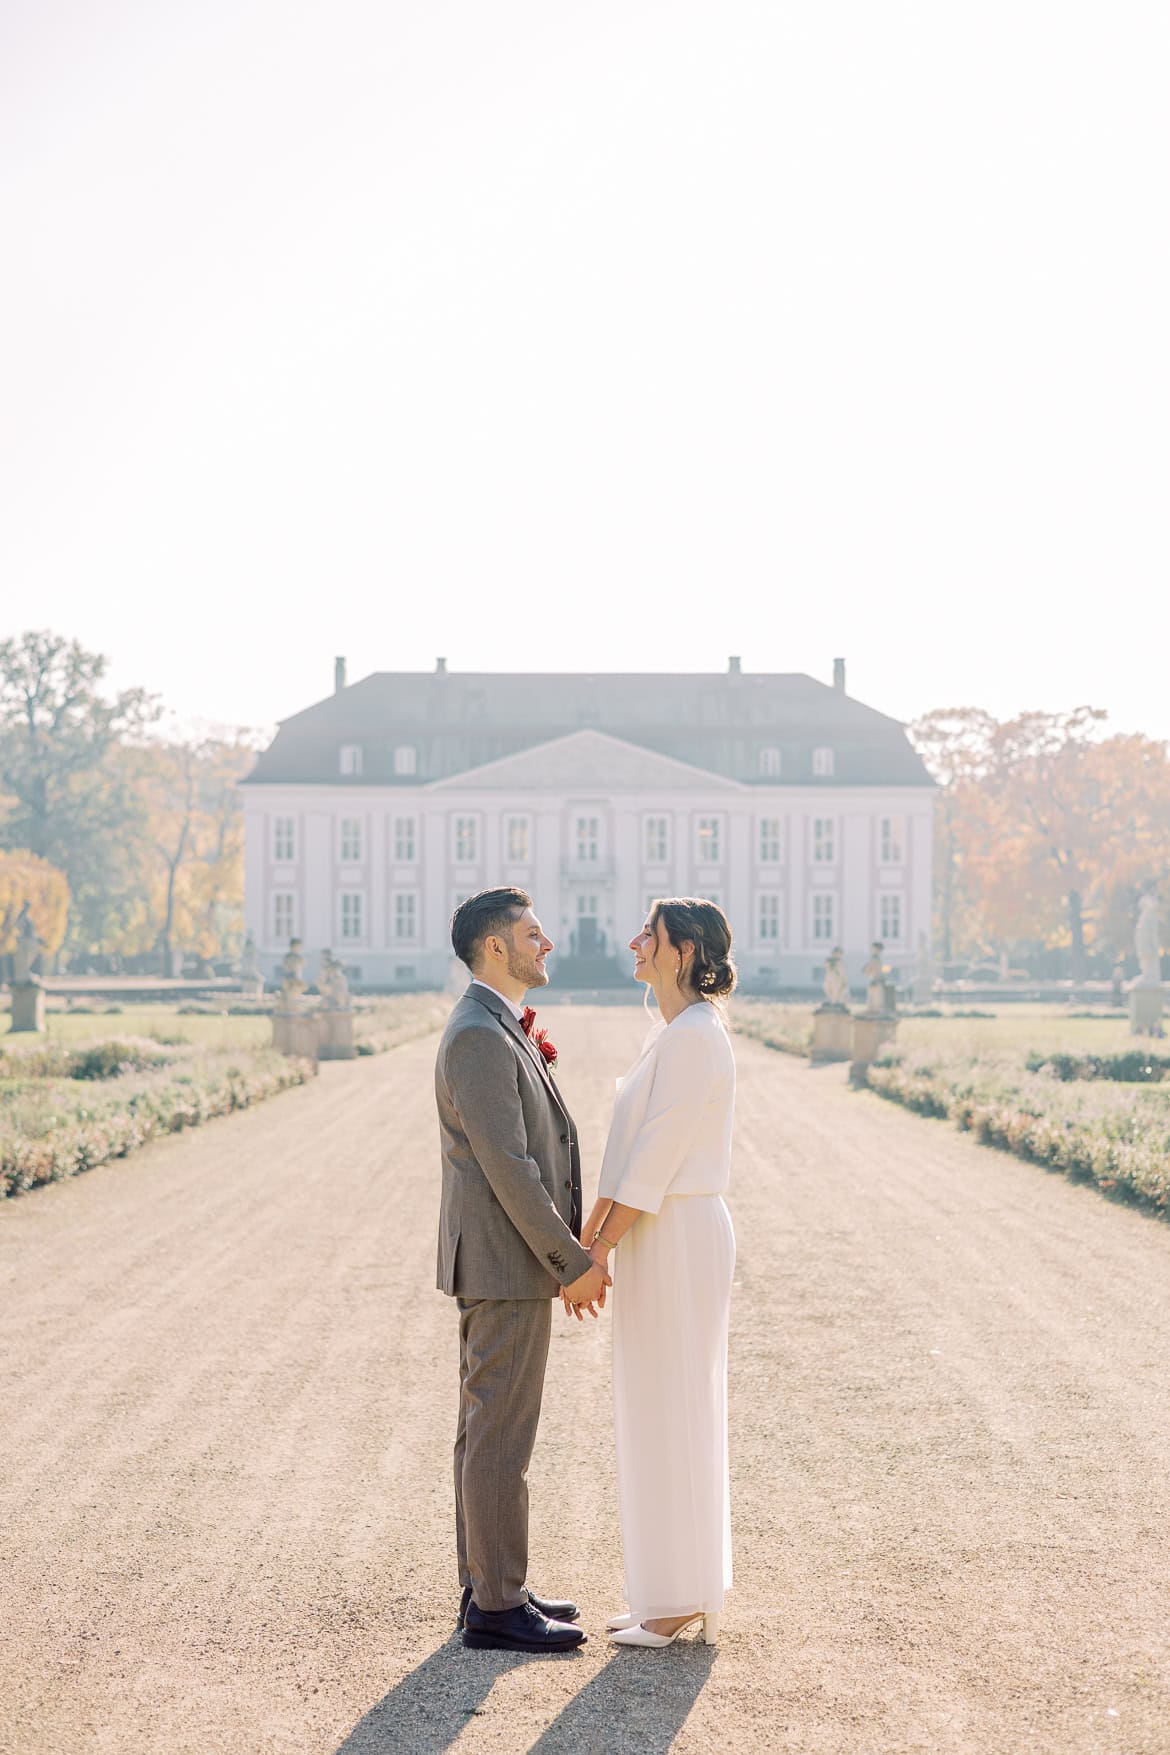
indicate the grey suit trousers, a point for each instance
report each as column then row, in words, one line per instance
column 503, row 1350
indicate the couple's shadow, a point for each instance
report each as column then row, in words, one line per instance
column 624, row 1707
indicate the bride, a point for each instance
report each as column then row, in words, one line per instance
column 660, row 1211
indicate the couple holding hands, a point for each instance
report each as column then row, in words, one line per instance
column 511, row 1240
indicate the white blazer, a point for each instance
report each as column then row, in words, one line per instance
column 671, row 1128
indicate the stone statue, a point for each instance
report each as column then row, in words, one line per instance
column 1147, row 941
column 249, row 968
column 292, row 977
column 836, row 980
column 332, row 983
column 29, row 945
column 874, row 971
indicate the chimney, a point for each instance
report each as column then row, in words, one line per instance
column 440, row 667
column 733, row 667
column 839, row 675
column 338, row 675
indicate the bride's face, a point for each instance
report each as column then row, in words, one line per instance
column 645, row 947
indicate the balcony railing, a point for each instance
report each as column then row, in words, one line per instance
column 601, row 870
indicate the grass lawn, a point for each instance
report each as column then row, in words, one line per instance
column 1011, row 1029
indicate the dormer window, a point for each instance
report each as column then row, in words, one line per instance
column 351, row 759
column 405, row 759
column 823, row 763
column 769, row 762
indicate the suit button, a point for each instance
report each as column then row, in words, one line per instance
column 569, row 1183
column 564, row 1139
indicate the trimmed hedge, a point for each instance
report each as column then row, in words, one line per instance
column 107, row 1059
column 76, row 1144
column 1137, row 1066
column 1117, row 1140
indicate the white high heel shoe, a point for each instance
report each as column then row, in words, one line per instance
column 633, row 1633
column 616, row 1622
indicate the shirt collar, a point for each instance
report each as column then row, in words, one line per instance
column 517, row 1011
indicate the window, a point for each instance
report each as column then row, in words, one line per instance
column 769, row 840
column 282, row 916
column 768, row 917
column 406, row 915
column 466, row 839
column 405, row 972
column 890, row 917
column 588, row 839
column 656, row 840
column 824, row 843
column 351, row 914
column 769, row 761
column 709, row 851
column 284, row 844
column 823, row 918
column 516, row 839
column 351, row 758
column 823, row 763
column 351, row 837
column 891, row 840
column 405, row 759
column 404, row 840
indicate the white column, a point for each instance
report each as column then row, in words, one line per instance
column 318, row 902
column 857, row 881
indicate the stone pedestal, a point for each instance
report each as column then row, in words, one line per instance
column 335, row 1035
column 871, row 1032
column 832, row 1033
column 252, row 986
column 1145, row 1011
column 296, row 1033
column 28, row 1007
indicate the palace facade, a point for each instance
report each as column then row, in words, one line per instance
column 804, row 813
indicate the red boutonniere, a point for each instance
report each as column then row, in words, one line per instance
column 539, row 1038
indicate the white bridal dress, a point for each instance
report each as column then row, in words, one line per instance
column 669, row 1153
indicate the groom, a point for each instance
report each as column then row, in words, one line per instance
column 509, row 1228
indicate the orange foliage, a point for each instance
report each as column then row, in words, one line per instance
column 25, row 877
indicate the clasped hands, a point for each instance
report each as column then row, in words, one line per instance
column 587, row 1293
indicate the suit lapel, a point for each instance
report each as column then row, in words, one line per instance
column 494, row 1004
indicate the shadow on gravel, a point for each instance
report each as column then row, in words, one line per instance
column 428, row 1709
column 638, row 1703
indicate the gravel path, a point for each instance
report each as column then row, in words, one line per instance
column 227, row 1395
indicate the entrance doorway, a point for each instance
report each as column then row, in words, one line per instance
column 589, row 940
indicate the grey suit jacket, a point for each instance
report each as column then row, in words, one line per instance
column 510, row 1215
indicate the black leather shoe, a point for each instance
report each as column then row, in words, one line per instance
column 521, row 1629
column 554, row 1608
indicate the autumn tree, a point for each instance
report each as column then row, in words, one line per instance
column 1047, row 830
column 25, row 877
column 955, row 743
column 193, row 840
column 63, row 796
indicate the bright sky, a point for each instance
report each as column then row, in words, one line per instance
column 621, row 336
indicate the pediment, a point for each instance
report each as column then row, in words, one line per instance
column 587, row 760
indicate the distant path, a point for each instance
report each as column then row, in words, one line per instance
column 226, row 1410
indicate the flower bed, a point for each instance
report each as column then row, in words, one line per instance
column 50, row 1130
column 69, row 1104
column 787, row 1028
column 1100, row 1131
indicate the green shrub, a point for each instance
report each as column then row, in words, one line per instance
column 1136, row 1066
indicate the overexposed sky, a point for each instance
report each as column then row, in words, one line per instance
column 619, row 336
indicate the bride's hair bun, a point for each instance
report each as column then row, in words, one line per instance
column 693, row 920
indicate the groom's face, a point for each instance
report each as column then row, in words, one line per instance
column 527, row 949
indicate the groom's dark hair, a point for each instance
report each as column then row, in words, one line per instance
column 488, row 911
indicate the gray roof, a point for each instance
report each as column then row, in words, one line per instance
column 457, row 720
